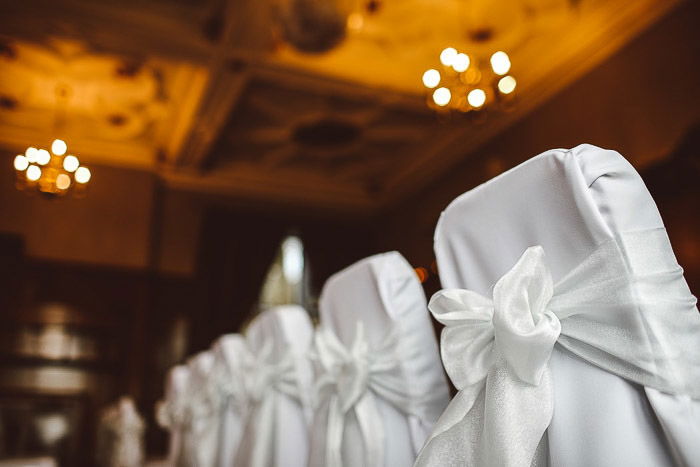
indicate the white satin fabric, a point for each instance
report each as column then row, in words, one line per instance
column 278, row 383
column 231, row 361
column 380, row 385
column 172, row 412
column 626, row 315
column 202, row 429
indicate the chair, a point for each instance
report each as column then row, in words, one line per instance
column 380, row 385
column 171, row 413
column 231, row 355
column 600, row 291
column 203, row 421
column 278, row 383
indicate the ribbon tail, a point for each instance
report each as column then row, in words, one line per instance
column 334, row 433
column 455, row 427
column 264, row 425
column 372, row 429
column 516, row 416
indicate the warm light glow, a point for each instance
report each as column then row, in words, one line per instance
column 447, row 56
column 62, row 182
column 355, row 21
column 21, row 162
column 71, row 163
column 31, row 154
column 43, row 157
column 292, row 259
column 461, row 62
column 58, row 147
column 442, row 96
column 82, row 175
column 507, row 84
column 476, row 98
column 33, row 173
column 500, row 63
column 422, row 274
column 431, row 78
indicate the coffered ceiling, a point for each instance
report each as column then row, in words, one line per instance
column 276, row 101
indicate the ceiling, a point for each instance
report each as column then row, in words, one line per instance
column 217, row 97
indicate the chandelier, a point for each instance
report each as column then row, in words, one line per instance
column 52, row 173
column 463, row 84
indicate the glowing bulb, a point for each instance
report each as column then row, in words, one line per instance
column 31, row 154
column 43, row 157
column 461, row 63
column 82, row 175
column 21, row 163
column 33, row 173
column 442, row 96
column 293, row 259
column 70, row 163
column 447, row 56
column 500, row 63
column 62, row 182
column 355, row 21
column 476, row 98
column 431, row 78
column 507, row 84
column 58, row 147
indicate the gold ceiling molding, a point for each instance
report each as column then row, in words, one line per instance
column 205, row 95
column 116, row 103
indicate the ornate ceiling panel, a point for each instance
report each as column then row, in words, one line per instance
column 119, row 110
column 213, row 97
column 277, row 128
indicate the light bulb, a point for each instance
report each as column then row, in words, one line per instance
column 507, row 84
column 43, row 157
column 70, row 163
column 355, row 21
column 500, row 63
column 448, row 56
column 62, row 181
column 476, row 98
column 31, row 154
column 442, row 96
column 82, row 175
column 461, row 62
column 21, row 162
column 293, row 259
column 33, row 173
column 431, row 78
column 58, row 147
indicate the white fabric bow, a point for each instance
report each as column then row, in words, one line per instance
column 505, row 345
column 350, row 379
column 262, row 378
column 637, row 322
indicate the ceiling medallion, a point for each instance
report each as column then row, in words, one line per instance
column 463, row 84
column 51, row 173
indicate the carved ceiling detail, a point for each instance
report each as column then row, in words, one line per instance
column 98, row 102
column 210, row 96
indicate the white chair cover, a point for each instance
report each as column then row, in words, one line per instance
column 604, row 284
column 172, row 412
column 231, row 355
column 278, row 381
column 380, row 385
column 202, row 434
